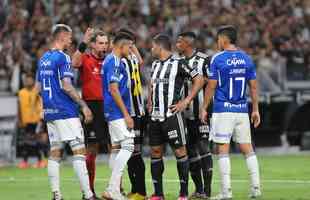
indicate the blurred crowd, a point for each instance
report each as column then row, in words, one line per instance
column 275, row 32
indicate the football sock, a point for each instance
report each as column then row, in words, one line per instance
column 183, row 169
column 79, row 166
column 207, row 171
column 53, row 174
column 195, row 171
column 224, row 168
column 136, row 172
column 252, row 164
column 157, row 170
column 91, row 168
column 113, row 155
column 118, row 166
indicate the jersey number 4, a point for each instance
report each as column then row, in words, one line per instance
column 233, row 81
column 47, row 87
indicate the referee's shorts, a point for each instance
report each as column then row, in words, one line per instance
column 97, row 131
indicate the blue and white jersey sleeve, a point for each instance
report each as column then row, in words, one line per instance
column 114, row 74
column 65, row 69
column 212, row 71
column 251, row 72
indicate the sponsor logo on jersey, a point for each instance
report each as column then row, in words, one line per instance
column 172, row 134
column 230, row 105
column 235, row 62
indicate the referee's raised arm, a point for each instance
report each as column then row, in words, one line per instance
column 77, row 56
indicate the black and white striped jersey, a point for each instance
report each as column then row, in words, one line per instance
column 135, row 86
column 167, row 81
column 200, row 62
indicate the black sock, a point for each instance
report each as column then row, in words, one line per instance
column 157, row 170
column 195, row 171
column 131, row 173
column 207, row 170
column 136, row 172
column 140, row 175
column 183, row 169
column 37, row 149
column 26, row 152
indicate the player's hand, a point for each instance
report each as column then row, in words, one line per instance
column 204, row 115
column 255, row 119
column 180, row 106
column 87, row 35
column 88, row 115
column 129, row 122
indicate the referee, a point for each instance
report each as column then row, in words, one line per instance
column 165, row 105
column 136, row 166
column 89, row 65
column 198, row 148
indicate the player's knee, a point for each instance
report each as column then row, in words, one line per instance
column 180, row 152
column 246, row 149
column 77, row 147
column 156, row 152
column 128, row 144
column 55, row 154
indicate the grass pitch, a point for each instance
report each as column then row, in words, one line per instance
column 283, row 178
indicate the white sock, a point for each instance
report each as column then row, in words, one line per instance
column 119, row 164
column 224, row 168
column 53, row 175
column 113, row 155
column 79, row 166
column 252, row 163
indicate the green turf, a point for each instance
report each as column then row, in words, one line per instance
column 283, row 178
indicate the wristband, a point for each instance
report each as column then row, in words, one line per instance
column 82, row 47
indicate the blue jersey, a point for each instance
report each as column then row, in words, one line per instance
column 232, row 70
column 114, row 71
column 53, row 66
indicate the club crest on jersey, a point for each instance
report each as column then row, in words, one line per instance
column 195, row 64
column 235, row 62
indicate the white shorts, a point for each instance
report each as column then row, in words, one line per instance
column 225, row 126
column 119, row 132
column 64, row 130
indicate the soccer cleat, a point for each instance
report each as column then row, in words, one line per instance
column 57, row 196
column 154, row 197
column 222, row 197
column 130, row 194
column 197, row 195
column 109, row 195
column 255, row 193
column 40, row 164
column 182, row 198
column 23, row 165
column 137, row 196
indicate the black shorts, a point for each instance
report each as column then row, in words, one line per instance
column 138, row 128
column 172, row 130
column 97, row 131
column 196, row 131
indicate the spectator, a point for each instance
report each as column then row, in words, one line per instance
column 30, row 111
column 260, row 22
